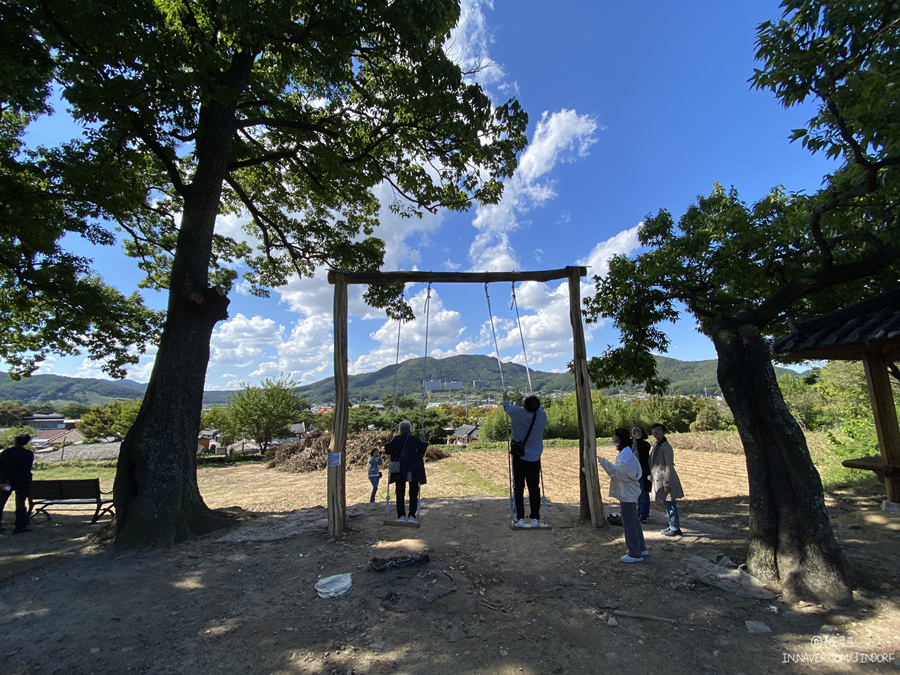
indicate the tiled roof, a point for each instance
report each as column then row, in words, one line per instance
column 846, row 333
column 466, row 431
column 54, row 436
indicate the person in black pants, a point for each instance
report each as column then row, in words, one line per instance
column 15, row 475
column 641, row 449
column 527, row 425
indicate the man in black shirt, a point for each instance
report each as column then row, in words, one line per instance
column 15, row 476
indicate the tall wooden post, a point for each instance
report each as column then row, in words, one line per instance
column 885, row 413
column 337, row 456
column 587, row 438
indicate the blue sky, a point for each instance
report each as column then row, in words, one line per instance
column 634, row 107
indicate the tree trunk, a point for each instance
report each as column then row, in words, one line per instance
column 792, row 544
column 156, row 495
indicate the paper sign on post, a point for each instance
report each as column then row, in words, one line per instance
column 334, row 459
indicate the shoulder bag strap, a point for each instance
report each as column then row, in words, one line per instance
column 534, row 417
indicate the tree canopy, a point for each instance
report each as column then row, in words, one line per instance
column 745, row 271
column 292, row 116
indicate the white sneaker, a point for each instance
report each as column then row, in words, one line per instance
column 535, row 523
column 628, row 559
column 401, row 519
column 519, row 523
column 645, row 552
column 411, row 520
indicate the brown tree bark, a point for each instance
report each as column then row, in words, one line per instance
column 792, row 543
column 156, row 495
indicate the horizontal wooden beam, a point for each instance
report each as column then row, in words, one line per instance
column 399, row 277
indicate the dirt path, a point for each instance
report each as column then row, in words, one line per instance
column 489, row 599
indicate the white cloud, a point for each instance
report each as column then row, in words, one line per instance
column 469, row 42
column 444, row 330
column 544, row 309
column 308, row 354
column 241, row 341
column 559, row 137
column 623, row 243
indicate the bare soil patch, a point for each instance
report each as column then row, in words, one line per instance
column 488, row 600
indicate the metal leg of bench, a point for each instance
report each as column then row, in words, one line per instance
column 43, row 510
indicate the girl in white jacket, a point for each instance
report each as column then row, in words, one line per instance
column 624, row 485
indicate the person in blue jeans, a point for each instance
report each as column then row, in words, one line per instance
column 641, row 449
column 624, row 485
column 375, row 463
column 666, row 485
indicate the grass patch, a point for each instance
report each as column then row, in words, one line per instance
column 102, row 469
column 473, row 480
column 497, row 446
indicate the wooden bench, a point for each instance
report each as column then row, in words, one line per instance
column 46, row 493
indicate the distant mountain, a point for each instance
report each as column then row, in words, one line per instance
column 687, row 377
column 60, row 390
column 466, row 369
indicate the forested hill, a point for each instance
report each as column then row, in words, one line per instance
column 687, row 377
column 53, row 389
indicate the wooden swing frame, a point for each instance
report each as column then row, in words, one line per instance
column 591, row 501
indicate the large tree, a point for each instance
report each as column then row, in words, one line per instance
column 745, row 271
column 288, row 112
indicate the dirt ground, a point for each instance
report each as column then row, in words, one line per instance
column 487, row 600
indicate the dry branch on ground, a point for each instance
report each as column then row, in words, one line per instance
column 311, row 453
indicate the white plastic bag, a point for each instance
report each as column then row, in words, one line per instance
column 331, row 587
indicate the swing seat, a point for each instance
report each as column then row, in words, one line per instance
column 397, row 523
column 541, row 526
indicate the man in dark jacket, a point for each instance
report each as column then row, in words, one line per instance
column 15, row 476
column 409, row 451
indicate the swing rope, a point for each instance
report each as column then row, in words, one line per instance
column 512, row 502
column 424, row 363
column 387, row 502
column 425, row 359
column 396, row 367
column 522, row 338
column 494, row 333
column 387, row 483
column 530, row 391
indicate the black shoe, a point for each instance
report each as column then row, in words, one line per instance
column 671, row 533
column 645, row 519
column 24, row 529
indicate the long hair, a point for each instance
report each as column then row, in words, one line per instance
column 621, row 439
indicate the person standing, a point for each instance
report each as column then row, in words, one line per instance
column 528, row 424
column 666, row 485
column 409, row 453
column 375, row 463
column 15, row 475
column 624, row 485
column 641, row 449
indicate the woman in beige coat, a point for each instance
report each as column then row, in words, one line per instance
column 666, row 486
